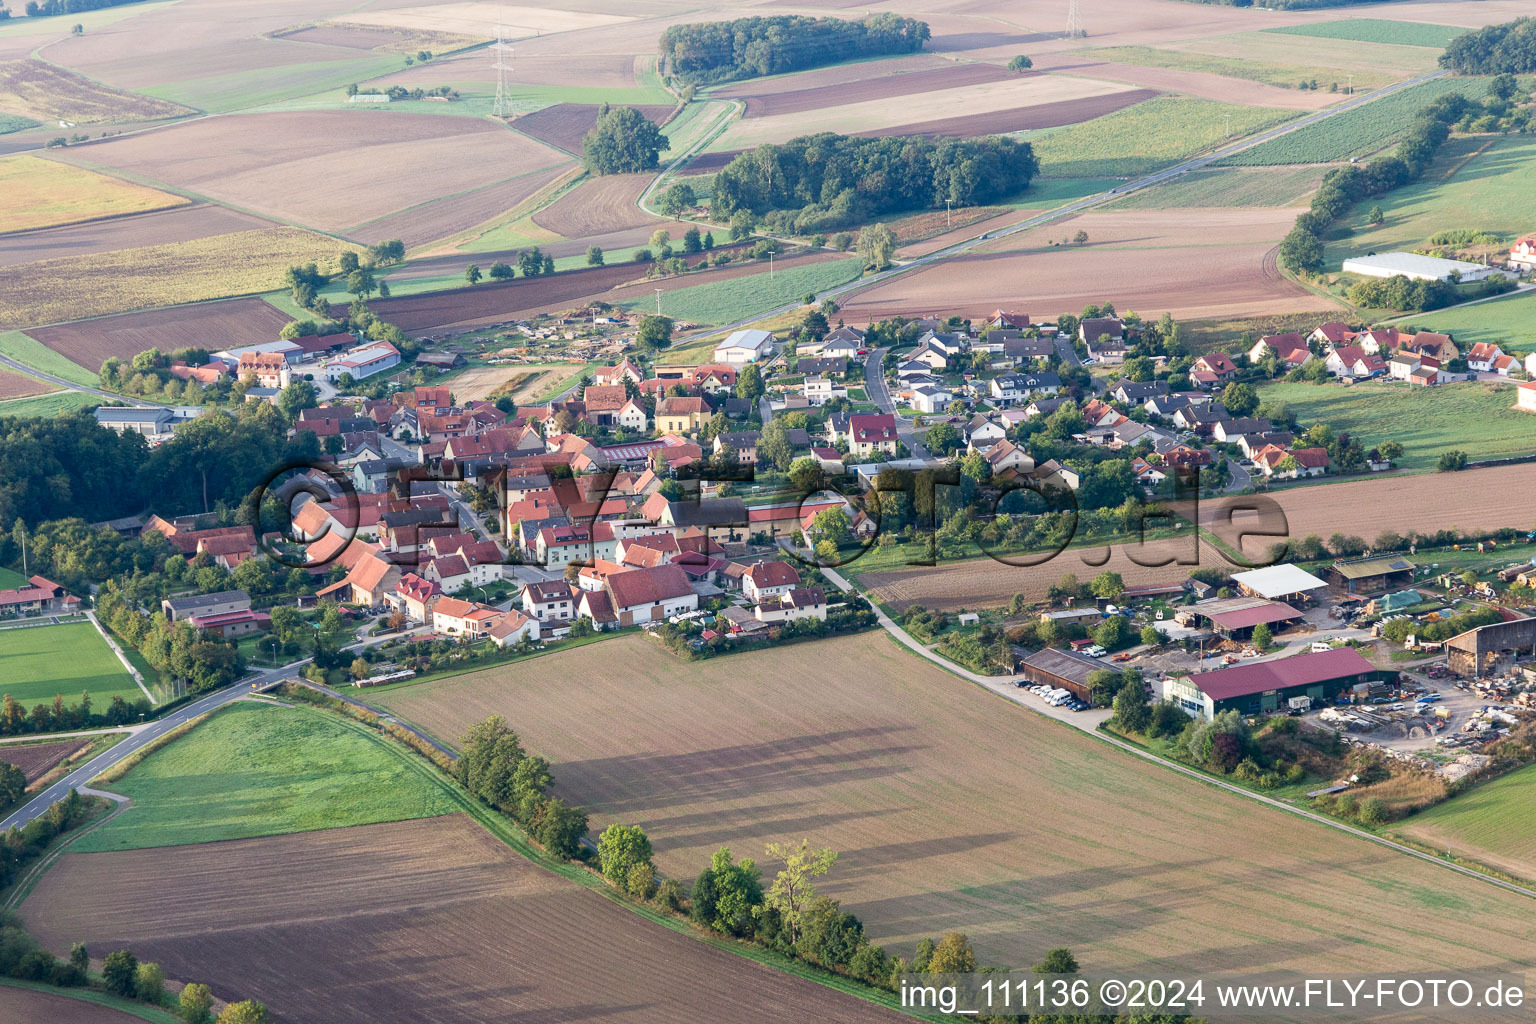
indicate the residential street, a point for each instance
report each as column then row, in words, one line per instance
column 874, row 384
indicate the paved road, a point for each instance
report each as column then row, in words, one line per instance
column 1238, row 476
column 880, row 394
column 32, row 371
column 141, row 738
column 1089, row 721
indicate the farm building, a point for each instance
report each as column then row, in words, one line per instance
column 224, row 602
column 745, row 346
column 1283, row 582
column 1236, row 617
column 1416, row 267
column 1369, row 575
column 1267, row 685
column 1525, row 396
column 1050, row 667
column 1479, row 650
column 149, row 422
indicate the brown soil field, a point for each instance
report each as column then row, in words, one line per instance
column 224, row 323
column 161, row 227
column 451, row 215
column 880, row 116
column 1018, row 119
column 17, row 385
column 985, row 583
column 1193, row 263
column 325, row 169
column 484, row 381
column 25, row 1006
column 598, row 206
column 918, row 246
column 38, row 89
column 35, row 759
column 493, row 303
column 843, row 74
column 1190, row 83
column 953, row 810
column 708, row 163
column 564, row 125
column 356, row 38
column 887, row 86
column 418, row 922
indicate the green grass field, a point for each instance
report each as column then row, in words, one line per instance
column 1228, row 186
column 1357, row 132
column 1285, row 76
column 1049, row 193
column 1146, row 137
column 722, row 302
column 1346, row 56
column 10, row 578
column 40, row 661
column 48, row 405
column 1473, row 417
column 271, row 85
column 1376, row 30
column 1464, row 189
column 1492, row 822
column 35, row 354
column 260, row 770
column 1506, row 320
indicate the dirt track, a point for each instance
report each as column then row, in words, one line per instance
column 417, row 922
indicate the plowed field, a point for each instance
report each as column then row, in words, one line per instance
column 16, row 385
column 886, row 86
column 230, row 322
column 564, row 125
column 597, row 206
column 420, row 922
column 34, row 759
column 952, row 809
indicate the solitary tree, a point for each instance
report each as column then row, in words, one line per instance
column 876, row 245
column 1057, row 961
column 791, row 891
column 196, row 1001
column 1020, row 63
column 1375, row 216
column 472, row 273
column 1262, row 637
column 594, row 256
column 655, row 333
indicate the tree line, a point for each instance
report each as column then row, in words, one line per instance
column 495, row 767
column 722, row 51
column 1509, row 48
column 818, row 182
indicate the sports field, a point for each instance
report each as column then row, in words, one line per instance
column 259, row 770
column 1491, row 823
column 40, row 661
column 1475, row 184
column 38, row 193
column 954, row 809
column 1143, row 138
column 1473, row 417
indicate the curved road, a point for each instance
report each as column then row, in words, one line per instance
column 32, row 371
column 79, row 777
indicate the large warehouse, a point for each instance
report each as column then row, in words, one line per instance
column 1266, row 686
column 1418, row 268
column 1062, row 669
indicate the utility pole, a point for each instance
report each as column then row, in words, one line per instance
column 770, row 266
column 658, row 302
column 948, row 221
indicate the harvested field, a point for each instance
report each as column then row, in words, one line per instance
column 35, row 88
column 38, row 193
column 17, row 385
column 985, row 583
column 453, row 214
column 161, row 227
column 390, row 40
column 480, row 18
column 35, row 759
column 565, row 125
column 1376, row 58
column 241, row 263
column 494, row 303
column 1045, row 115
column 1491, row 823
column 886, row 86
column 597, row 206
column 1193, row 263
column 426, row 922
column 576, row 70
column 230, row 322
column 1283, row 79
column 327, row 169
column 28, row 1006
column 954, row 810
column 515, row 378
column 877, row 116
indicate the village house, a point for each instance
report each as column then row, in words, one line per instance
column 1522, row 255
column 36, row 597
column 767, row 579
column 1525, row 397
column 222, row 603
column 931, row 398
column 415, row 596
column 1101, row 329
column 872, row 433
column 1212, row 369
column 1289, row 349
column 269, row 369
column 1016, row 387
column 743, row 442
column 650, row 595
column 681, row 414
column 1106, row 350
column 550, row 601
column 793, row 605
column 453, row 617
column 512, row 627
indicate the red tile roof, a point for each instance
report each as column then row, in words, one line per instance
column 644, row 587
column 1299, row 670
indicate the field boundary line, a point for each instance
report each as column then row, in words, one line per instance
column 904, row 639
column 133, row 672
column 143, row 1011
column 23, row 886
